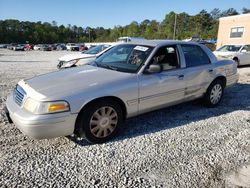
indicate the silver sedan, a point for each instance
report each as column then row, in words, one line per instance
column 92, row 101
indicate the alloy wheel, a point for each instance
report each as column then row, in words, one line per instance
column 103, row 122
column 216, row 94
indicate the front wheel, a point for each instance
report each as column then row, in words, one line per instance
column 236, row 60
column 214, row 93
column 101, row 120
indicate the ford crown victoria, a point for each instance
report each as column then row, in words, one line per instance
column 92, row 101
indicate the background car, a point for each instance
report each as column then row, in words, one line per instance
column 72, row 47
column 3, row 45
column 83, row 48
column 70, row 60
column 239, row 53
column 210, row 45
column 45, row 47
column 28, row 47
column 61, row 47
column 11, row 46
column 18, row 47
column 37, row 47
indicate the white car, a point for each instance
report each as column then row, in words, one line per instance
column 239, row 53
column 130, row 79
column 130, row 39
column 72, row 47
column 37, row 47
column 82, row 58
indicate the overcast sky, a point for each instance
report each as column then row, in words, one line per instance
column 107, row 13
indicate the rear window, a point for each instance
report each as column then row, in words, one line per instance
column 194, row 56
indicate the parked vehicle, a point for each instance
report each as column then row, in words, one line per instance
column 18, row 47
column 72, row 47
column 3, row 45
column 61, row 47
column 193, row 39
column 128, row 80
column 239, row 53
column 45, row 47
column 210, row 45
column 130, row 39
column 52, row 46
column 83, row 48
column 37, row 47
column 11, row 46
column 28, row 47
column 86, row 57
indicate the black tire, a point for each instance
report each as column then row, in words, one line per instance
column 236, row 60
column 83, row 126
column 208, row 100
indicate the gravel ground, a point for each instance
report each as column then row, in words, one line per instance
column 187, row 145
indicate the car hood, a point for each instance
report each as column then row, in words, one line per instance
column 70, row 57
column 69, row 81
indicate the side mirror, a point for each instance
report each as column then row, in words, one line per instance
column 153, row 69
column 243, row 51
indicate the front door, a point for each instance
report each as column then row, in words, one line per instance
column 157, row 90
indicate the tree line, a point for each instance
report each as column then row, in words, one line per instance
column 178, row 26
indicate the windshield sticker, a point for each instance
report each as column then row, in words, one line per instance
column 141, row 48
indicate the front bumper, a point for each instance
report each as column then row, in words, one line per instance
column 40, row 126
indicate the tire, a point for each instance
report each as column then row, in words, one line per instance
column 236, row 60
column 214, row 94
column 100, row 121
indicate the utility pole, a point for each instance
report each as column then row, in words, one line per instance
column 89, row 34
column 175, row 19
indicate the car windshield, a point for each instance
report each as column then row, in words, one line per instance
column 230, row 48
column 124, row 58
column 96, row 49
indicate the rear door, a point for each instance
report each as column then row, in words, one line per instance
column 198, row 72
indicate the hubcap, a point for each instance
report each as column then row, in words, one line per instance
column 216, row 94
column 103, row 122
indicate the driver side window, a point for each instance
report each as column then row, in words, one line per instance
column 167, row 57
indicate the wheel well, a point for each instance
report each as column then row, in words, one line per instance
column 78, row 130
column 118, row 100
column 236, row 59
column 223, row 79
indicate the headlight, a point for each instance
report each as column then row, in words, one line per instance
column 37, row 107
column 70, row 63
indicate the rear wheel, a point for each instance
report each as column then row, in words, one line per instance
column 214, row 93
column 100, row 121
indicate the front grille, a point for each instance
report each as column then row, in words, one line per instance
column 19, row 94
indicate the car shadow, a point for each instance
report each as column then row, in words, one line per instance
column 235, row 98
column 243, row 66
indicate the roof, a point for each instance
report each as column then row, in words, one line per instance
column 154, row 43
column 235, row 16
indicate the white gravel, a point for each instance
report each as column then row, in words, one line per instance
column 187, row 145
